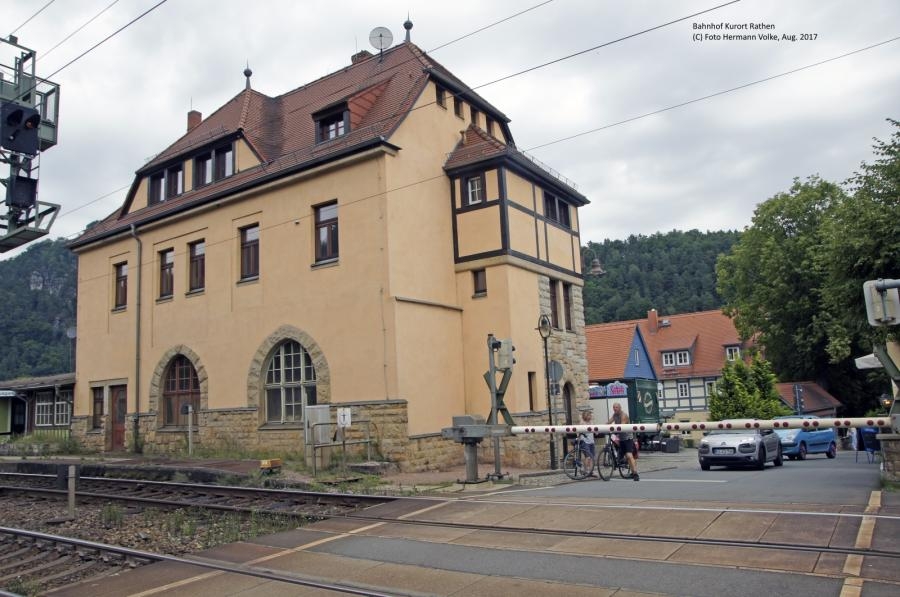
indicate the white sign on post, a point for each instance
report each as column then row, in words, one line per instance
column 343, row 417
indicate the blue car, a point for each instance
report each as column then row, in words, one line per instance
column 796, row 443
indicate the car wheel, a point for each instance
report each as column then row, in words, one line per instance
column 779, row 458
column 832, row 451
column 761, row 459
column 704, row 466
column 802, row 453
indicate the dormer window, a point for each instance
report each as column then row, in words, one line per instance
column 331, row 124
column 157, row 184
column 732, row 353
column 676, row 358
column 174, row 181
column 214, row 165
column 165, row 185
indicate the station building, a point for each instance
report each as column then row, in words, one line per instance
column 350, row 243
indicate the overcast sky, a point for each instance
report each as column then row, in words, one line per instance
column 705, row 165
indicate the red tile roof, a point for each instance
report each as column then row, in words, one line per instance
column 379, row 93
column 705, row 334
column 816, row 400
column 476, row 146
column 608, row 347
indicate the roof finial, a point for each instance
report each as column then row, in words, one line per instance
column 407, row 25
column 248, row 73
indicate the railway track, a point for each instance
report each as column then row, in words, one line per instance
column 320, row 506
column 302, row 504
column 35, row 563
column 352, row 507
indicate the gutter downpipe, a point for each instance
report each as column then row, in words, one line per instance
column 137, row 345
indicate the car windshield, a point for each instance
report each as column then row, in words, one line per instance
column 731, row 431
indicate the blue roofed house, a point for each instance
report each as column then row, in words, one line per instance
column 620, row 370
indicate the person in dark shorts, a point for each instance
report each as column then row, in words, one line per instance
column 626, row 440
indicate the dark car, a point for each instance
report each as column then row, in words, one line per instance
column 734, row 447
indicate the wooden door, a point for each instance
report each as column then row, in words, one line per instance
column 119, row 406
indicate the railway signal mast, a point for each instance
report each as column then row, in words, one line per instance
column 29, row 112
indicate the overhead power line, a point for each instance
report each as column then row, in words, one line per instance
column 32, row 16
column 86, row 23
column 712, row 95
column 108, row 37
column 603, row 45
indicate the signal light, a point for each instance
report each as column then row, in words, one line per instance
column 19, row 128
column 21, row 192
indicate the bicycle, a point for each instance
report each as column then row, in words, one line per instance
column 578, row 463
column 609, row 460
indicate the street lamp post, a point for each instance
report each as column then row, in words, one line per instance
column 545, row 329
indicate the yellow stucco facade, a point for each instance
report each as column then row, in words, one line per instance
column 392, row 325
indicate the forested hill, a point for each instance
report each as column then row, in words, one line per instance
column 674, row 272
column 37, row 306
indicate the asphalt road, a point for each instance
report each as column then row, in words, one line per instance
column 844, row 480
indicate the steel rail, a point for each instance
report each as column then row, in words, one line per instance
column 609, row 535
column 312, row 497
column 221, row 566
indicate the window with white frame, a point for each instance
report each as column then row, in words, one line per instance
column 290, row 383
column 732, row 353
column 475, row 189
column 683, row 357
column 63, row 409
column 43, row 409
column 637, row 357
column 668, row 359
column 710, row 388
column 684, row 389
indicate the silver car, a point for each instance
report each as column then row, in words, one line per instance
column 733, row 447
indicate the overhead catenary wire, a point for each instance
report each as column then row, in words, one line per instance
column 85, row 24
column 107, row 38
column 28, row 20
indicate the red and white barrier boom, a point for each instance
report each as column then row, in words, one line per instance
column 882, row 421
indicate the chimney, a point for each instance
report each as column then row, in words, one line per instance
column 360, row 56
column 194, row 118
column 652, row 321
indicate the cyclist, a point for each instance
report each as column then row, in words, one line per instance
column 626, row 442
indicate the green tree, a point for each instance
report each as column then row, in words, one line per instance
column 794, row 280
column 672, row 272
column 746, row 392
column 38, row 298
column 771, row 280
column 862, row 242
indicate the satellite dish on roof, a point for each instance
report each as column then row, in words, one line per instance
column 381, row 38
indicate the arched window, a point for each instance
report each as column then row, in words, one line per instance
column 180, row 388
column 290, row 383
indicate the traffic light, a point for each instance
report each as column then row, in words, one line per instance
column 19, row 128
column 505, row 358
column 21, row 192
